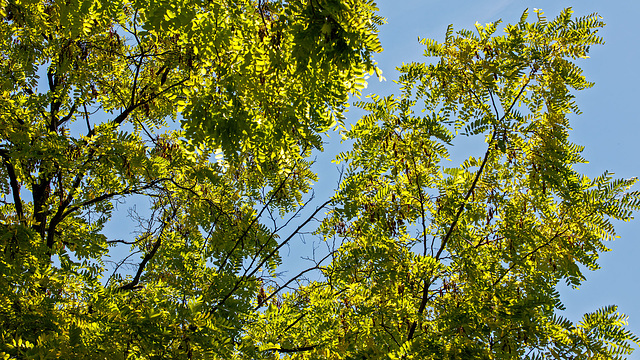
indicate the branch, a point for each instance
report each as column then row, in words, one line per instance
column 71, row 112
column 295, row 322
column 15, row 186
column 257, row 254
column 78, row 179
column 529, row 254
column 255, row 219
column 317, row 266
column 384, row 327
column 148, row 233
column 422, row 212
column 63, row 211
column 86, row 117
column 117, row 121
column 132, row 285
column 110, row 195
column 120, row 264
column 466, row 197
column 274, row 251
column 135, row 79
column 425, row 291
column 120, row 241
column 266, row 258
column 145, row 260
column 293, row 350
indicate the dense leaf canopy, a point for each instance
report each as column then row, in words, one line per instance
column 209, row 111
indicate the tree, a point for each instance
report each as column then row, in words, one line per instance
column 432, row 262
column 209, row 110
column 441, row 262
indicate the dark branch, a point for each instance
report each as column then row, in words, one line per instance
column 293, row 350
column 425, row 290
column 255, row 219
column 529, row 254
column 467, row 196
column 266, row 258
column 133, row 284
column 71, row 112
column 478, row 174
column 274, row 293
column 15, row 186
column 111, row 195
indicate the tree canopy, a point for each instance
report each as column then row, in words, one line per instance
column 210, row 112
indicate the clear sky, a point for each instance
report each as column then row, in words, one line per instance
column 608, row 127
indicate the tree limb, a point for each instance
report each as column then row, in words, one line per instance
column 15, row 186
column 132, row 285
column 425, row 291
column 247, row 275
column 317, row 266
column 293, row 350
column 110, row 195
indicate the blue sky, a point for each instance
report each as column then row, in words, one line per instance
column 608, row 127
